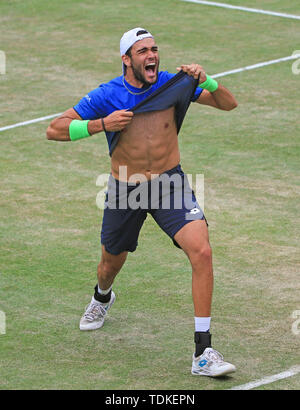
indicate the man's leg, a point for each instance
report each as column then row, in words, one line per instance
column 193, row 239
column 108, row 268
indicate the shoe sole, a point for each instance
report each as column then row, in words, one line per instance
column 100, row 324
column 232, row 369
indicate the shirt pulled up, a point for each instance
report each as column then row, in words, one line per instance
column 170, row 90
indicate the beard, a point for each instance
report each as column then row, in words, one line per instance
column 138, row 74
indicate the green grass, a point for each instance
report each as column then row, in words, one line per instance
column 50, row 226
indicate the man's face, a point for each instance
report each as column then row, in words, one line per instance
column 144, row 61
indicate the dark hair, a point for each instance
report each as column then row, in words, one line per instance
column 128, row 53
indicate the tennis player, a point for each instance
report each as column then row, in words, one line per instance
column 147, row 145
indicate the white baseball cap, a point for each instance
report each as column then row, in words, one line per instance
column 131, row 37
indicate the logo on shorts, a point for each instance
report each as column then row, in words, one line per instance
column 194, row 211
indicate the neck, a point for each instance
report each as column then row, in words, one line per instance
column 132, row 80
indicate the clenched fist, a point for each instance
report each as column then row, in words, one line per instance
column 195, row 70
column 118, row 120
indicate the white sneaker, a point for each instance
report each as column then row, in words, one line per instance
column 95, row 314
column 211, row 363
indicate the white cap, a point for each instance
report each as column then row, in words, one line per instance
column 131, row 37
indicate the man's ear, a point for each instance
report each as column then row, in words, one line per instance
column 126, row 60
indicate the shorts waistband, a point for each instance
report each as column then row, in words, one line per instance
column 176, row 169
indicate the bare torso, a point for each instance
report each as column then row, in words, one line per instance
column 147, row 146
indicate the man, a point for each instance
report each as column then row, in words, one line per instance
column 148, row 146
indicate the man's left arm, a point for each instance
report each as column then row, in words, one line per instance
column 216, row 95
column 221, row 98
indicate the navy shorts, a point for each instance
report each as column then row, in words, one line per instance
column 168, row 198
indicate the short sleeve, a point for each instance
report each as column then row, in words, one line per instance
column 92, row 106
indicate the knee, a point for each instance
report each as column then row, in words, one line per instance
column 201, row 254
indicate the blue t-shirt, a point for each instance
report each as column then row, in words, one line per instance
column 114, row 95
column 118, row 94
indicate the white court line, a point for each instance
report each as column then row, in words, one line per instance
column 270, row 379
column 20, row 124
column 251, row 10
column 225, row 73
column 258, row 65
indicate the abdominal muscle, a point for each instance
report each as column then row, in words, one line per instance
column 148, row 146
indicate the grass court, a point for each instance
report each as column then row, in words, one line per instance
column 58, row 51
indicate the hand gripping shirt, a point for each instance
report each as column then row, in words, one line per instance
column 177, row 90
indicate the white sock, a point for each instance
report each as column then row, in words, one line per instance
column 202, row 324
column 104, row 292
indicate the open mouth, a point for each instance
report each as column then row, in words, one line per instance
column 150, row 68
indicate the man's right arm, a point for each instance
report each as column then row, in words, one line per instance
column 58, row 129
